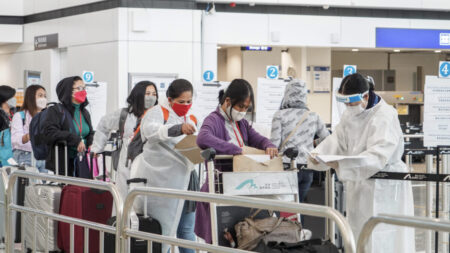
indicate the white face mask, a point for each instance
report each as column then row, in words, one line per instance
column 41, row 103
column 237, row 115
column 149, row 101
column 356, row 109
column 12, row 102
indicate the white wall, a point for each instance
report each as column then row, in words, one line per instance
column 38, row 6
column 11, row 33
column 11, row 7
column 404, row 64
column 396, row 4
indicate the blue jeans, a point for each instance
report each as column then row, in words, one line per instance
column 24, row 157
column 186, row 229
column 305, row 178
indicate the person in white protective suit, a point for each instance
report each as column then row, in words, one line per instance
column 142, row 97
column 162, row 128
column 370, row 128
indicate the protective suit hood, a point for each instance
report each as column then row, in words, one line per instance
column 64, row 92
column 295, row 95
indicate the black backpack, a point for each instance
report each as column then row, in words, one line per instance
column 118, row 140
column 37, row 136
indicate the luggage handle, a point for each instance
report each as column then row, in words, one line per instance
column 136, row 181
column 64, row 143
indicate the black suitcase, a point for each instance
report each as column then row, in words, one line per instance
column 146, row 224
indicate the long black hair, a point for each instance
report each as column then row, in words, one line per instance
column 238, row 91
column 29, row 102
column 136, row 99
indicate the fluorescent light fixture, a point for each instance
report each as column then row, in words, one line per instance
column 437, row 51
column 219, row 47
column 256, row 48
column 355, row 50
column 397, row 50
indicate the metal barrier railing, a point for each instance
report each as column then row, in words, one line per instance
column 4, row 182
column 276, row 205
column 10, row 206
column 406, row 221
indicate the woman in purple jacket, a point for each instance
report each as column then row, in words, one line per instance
column 228, row 133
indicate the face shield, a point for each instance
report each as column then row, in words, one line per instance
column 346, row 99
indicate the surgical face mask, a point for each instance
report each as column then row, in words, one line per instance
column 237, row 115
column 41, row 103
column 356, row 109
column 149, row 101
column 12, row 102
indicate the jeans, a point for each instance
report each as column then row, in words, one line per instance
column 305, row 178
column 24, row 157
column 186, row 229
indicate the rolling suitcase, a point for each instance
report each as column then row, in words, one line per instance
column 87, row 204
column 146, row 224
column 45, row 197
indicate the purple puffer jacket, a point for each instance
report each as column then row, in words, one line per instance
column 213, row 134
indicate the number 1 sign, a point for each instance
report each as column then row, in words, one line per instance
column 444, row 69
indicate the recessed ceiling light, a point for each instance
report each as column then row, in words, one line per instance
column 437, row 51
column 397, row 50
column 219, row 47
column 355, row 50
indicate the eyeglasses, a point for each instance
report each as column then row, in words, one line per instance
column 81, row 88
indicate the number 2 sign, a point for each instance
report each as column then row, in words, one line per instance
column 444, row 69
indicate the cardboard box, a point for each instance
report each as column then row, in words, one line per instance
column 188, row 147
column 243, row 163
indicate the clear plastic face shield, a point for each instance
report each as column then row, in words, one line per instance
column 348, row 99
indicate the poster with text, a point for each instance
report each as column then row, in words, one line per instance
column 436, row 120
column 269, row 96
column 97, row 97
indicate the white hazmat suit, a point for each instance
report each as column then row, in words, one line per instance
column 375, row 134
column 163, row 167
column 107, row 124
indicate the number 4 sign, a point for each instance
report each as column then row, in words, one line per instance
column 444, row 69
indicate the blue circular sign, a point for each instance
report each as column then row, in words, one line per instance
column 349, row 70
column 272, row 72
column 444, row 69
column 208, row 76
column 88, row 77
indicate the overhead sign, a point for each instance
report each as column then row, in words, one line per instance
column 272, row 72
column 444, row 69
column 46, row 41
column 88, row 76
column 208, row 76
column 349, row 70
column 436, row 122
column 256, row 48
column 412, row 38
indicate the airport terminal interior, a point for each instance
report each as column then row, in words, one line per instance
column 222, row 126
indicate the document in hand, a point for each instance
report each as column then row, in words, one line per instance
column 188, row 147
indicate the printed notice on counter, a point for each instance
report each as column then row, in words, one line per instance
column 269, row 96
column 436, row 122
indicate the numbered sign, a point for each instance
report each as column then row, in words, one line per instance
column 208, row 76
column 272, row 72
column 88, row 76
column 444, row 69
column 349, row 70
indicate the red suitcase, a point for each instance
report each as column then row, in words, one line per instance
column 87, row 204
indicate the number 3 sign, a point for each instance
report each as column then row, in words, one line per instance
column 444, row 69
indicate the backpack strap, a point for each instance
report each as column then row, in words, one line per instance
column 165, row 114
column 194, row 119
column 122, row 119
column 138, row 128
